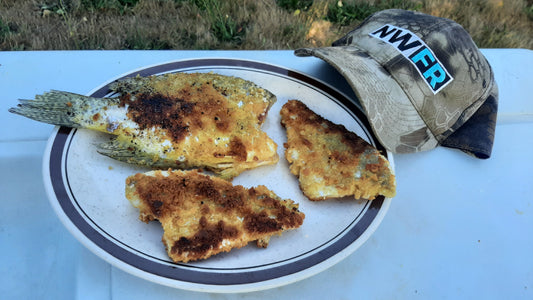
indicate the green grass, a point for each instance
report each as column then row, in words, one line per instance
column 138, row 41
column 223, row 26
column 346, row 12
column 241, row 24
column 99, row 5
column 294, row 5
column 528, row 10
column 4, row 31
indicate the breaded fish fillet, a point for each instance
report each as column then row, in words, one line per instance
column 204, row 215
column 331, row 161
column 181, row 120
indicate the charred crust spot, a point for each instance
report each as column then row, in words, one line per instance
column 223, row 122
column 156, row 207
column 237, row 149
column 261, row 118
column 207, row 189
column 194, row 107
column 372, row 167
column 261, row 223
column 356, row 144
column 209, row 237
column 252, row 193
column 157, row 110
column 160, row 194
column 205, row 209
column 339, row 157
column 225, row 199
column 232, row 199
column 203, row 222
column 307, row 143
column 278, row 217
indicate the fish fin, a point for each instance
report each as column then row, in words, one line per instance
column 129, row 153
column 59, row 108
column 226, row 173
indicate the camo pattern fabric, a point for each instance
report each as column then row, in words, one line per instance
column 405, row 113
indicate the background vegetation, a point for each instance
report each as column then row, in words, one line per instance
column 241, row 24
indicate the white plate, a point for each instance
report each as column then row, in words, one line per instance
column 87, row 192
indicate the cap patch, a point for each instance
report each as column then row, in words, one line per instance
column 418, row 53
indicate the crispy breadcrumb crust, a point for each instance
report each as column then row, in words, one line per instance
column 329, row 160
column 175, row 120
column 205, row 120
column 203, row 215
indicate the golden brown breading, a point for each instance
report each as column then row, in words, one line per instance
column 331, row 161
column 204, row 215
column 178, row 120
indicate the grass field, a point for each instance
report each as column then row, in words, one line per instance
column 241, row 24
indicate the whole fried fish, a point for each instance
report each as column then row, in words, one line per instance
column 331, row 161
column 180, row 120
column 204, row 215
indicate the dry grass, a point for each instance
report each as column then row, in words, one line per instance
column 225, row 24
column 491, row 23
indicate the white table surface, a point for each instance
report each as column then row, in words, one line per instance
column 459, row 227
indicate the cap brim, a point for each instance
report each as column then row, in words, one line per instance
column 393, row 118
column 476, row 135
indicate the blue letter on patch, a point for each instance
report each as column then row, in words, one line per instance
column 433, row 72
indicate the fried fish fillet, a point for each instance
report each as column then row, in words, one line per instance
column 181, row 120
column 204, row 215
column 331, row 161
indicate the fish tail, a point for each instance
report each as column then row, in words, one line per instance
column 57, row 108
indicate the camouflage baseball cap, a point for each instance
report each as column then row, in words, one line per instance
column 421, row 80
